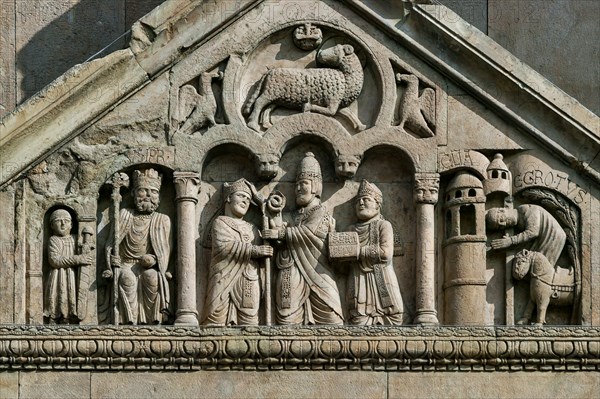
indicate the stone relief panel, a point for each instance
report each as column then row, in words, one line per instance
column 134, row 281
column 416, row 103
column 296, row 215
column 197, row 104
column 310, row 69
column 67, row 262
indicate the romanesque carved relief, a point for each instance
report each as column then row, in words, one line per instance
column 372, row 287
column 138, row 253
column 328, row 89
column 67, row 281
column 416, row 108
column 234, row 281
column 267, row 165
column 197, row 108
column 549, row 285
column 306, row 290
column 346, row 165
column 465, row 251
column 308, row 37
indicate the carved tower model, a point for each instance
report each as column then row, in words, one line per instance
column 464, row 251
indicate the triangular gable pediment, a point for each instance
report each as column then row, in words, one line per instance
column 429, row 42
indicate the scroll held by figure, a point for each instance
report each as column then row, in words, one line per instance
column 138, row 257
column 373, row 293
column 306, row 290
column 60, row 291
column 234, row 276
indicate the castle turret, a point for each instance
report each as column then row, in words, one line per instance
column 464, row 250
column 499, row 178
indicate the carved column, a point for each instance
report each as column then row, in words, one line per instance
column 186, row 189
column 425, row 197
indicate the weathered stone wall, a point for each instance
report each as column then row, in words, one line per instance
column 305, row 384
column 40, row 40
column 53, row 361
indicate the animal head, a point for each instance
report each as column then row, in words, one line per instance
column 335, row 55
column 406, row 78
column 267, row 165
column 521, row 264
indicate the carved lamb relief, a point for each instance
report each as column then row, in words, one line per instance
column 327, row 90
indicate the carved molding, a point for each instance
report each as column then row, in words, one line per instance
column 302, row 348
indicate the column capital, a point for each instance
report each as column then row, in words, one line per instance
column 186, row 186
column 426, row 188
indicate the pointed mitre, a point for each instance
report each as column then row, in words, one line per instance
column 367, row 189
column 309, row 168
column 147, row 178
column 238, row 185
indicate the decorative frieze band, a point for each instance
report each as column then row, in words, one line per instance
column 347, row 348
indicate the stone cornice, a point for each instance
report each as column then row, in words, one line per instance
column 434, row 33
column 260, row 348
column 484, row 69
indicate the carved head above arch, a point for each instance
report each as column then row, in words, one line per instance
column 346, row 165
column 267, row 165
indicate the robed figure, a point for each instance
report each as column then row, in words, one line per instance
column 537, row 228
column 234, row 283
column 373, row 292
column 306, row 291
column 144, row 253
column 60, row 290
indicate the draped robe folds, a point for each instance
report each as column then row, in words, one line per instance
column 539, row 228
column 60, row 302
column 143, row 293
column 373, row 292
column 233, row 291
column 306, row 288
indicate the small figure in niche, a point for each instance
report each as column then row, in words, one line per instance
column 233, row 277
column 306, row 290
column 538, row 228
column 60, row 299
column 373, row 292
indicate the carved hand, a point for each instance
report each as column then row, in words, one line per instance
column 115, row 261
column 84, row 260
column 272, row 234
column 501, row 243
column 263, row 250
column 147, row 261
column 107, row 274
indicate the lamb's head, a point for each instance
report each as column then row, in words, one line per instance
column 335, row 55
column 521, row 264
